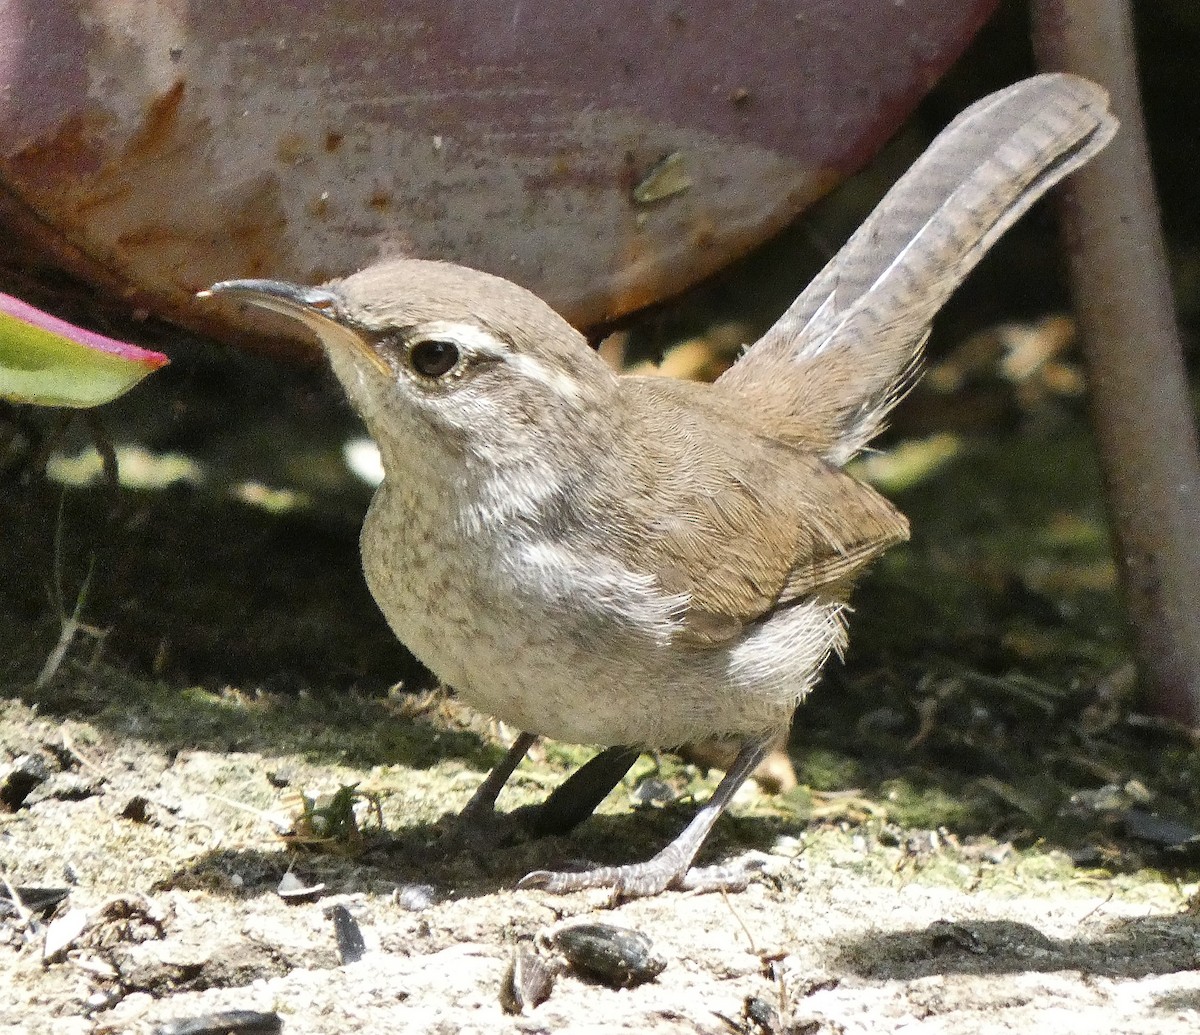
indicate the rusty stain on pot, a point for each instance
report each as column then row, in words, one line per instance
column 318, row 208
column 160, row 152
column 291, row 148
column 69, row 150
column 158, row 124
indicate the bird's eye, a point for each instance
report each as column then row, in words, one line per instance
column 433, row 358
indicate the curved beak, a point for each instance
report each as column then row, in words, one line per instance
column 280, row 296
column 315, row 307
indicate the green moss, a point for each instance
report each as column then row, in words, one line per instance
column 824, row 769
column 924, row 807
column 342, row 728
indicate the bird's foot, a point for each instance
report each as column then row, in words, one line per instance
column 672, row 867
column 643, row 880
column 479, row 832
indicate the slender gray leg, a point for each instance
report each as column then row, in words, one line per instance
column 670, row 868
column 477, row 826
column 570, row 804
column 576, row 798
column 483, row 802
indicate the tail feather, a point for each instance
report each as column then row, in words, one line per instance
column 849, row 347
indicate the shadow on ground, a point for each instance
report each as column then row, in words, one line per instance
column 1127, row 948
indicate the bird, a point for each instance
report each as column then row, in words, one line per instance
column 636, row 562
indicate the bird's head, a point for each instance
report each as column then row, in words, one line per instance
column 447, row 364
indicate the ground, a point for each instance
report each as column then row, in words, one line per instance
column 855, row 925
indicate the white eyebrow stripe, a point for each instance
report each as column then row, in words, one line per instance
column 534, row 369
column 471, row 336
column 476, row 340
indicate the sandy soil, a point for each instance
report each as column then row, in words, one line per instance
column 852, row 927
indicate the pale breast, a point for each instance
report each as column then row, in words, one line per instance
column 575, row 647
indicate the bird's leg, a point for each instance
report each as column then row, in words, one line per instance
column 475, row 824
column 483, row 801
column 672, row 867
column 567, row 806
column 576, row 797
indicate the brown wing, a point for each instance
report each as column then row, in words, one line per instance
column 743, row 524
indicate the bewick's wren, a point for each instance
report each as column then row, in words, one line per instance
column 634, row 561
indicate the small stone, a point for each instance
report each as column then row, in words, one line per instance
column 63, row 933
column 293, row 890
column 416, row 898
column 20, row 777
column 136, row 809
column 653, row 792
column 1158, row 830
column 42, row 901
column 66, row 787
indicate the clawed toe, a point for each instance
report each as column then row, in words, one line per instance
column 639, row 880
column 672, row 867
column 643, row 880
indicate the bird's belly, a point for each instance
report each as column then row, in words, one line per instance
column 520, row 666
column 555, row 659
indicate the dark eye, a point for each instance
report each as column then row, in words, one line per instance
column 433, row 358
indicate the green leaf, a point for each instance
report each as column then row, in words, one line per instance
column 47, row 361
